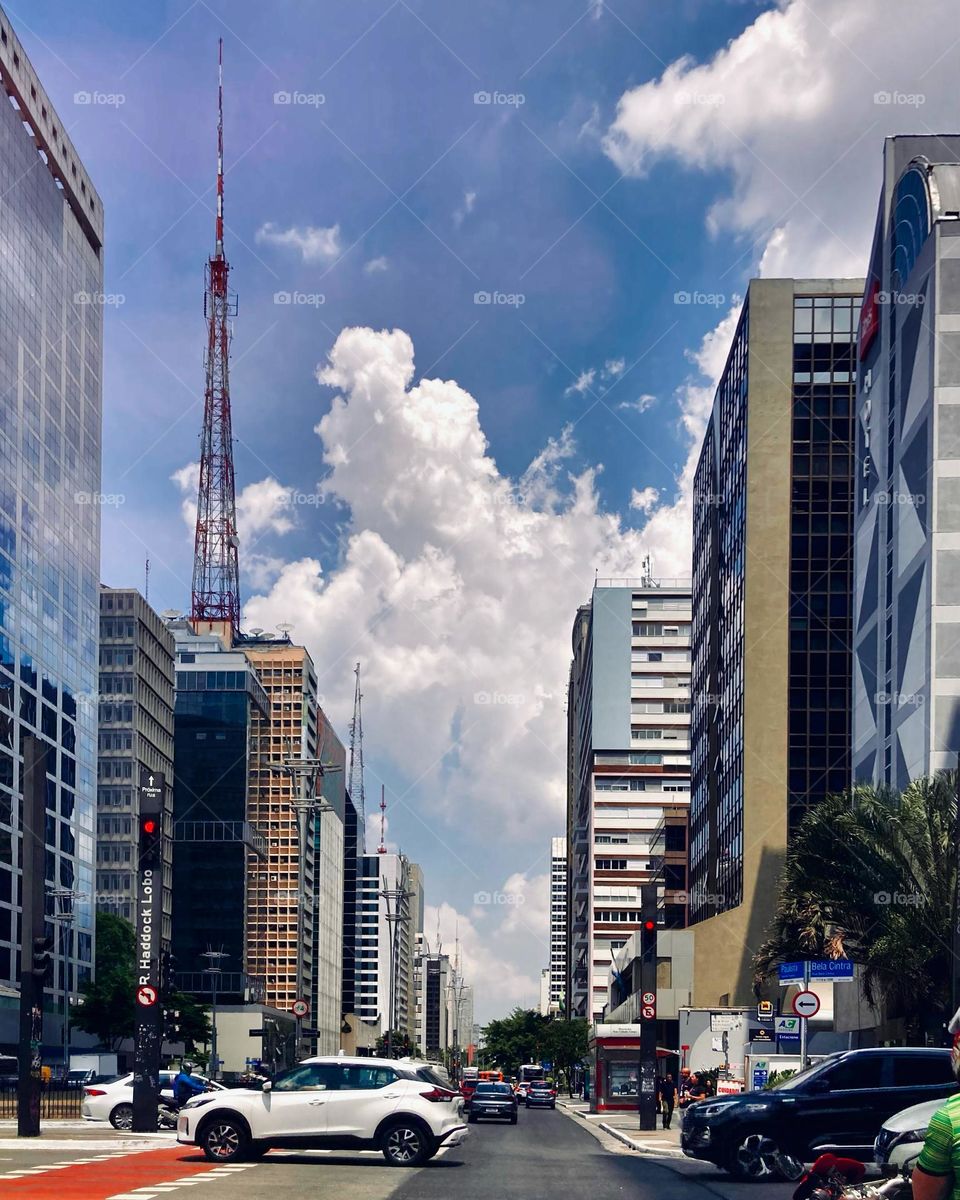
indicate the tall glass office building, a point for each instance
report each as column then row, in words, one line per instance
column 771, row 637
column 51, row 282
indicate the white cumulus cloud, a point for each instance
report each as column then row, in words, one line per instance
column 644, row 499
column 314, row 244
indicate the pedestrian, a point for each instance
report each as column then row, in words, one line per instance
column 683, row 1088
column 667, row 1094
column 698, row 1090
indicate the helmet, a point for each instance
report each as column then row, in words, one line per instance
column 188, row 1067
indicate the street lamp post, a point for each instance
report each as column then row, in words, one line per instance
column 215, row 957
column 306, row 772
column 64, row 916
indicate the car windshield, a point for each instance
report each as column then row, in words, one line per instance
column 802, row 1078
column 495, row 1089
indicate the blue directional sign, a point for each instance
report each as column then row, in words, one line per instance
column 791, row 972
column 831, row 968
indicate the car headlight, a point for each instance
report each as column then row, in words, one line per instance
column 197, row 1101
column 711, row 1110
column 911, row 1135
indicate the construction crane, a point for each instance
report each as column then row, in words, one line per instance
column 216, row 572
column 355, row 780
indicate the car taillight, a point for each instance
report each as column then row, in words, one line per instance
column 438, row 1094
column 94, row 1091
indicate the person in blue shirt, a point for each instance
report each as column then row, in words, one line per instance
column 186, row 1085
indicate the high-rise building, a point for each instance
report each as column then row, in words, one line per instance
column 219, row 702
column 295, row 895
column 557, row 971
column 135, row 734
column 353, row 851
column 51, row 334
column 906, row 679
column 326, row 986
column 628, row 716
column 387, row 940
column 544, row 1005
column 772, row 554
column 433, row 973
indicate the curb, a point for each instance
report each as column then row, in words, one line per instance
column 638, row 1146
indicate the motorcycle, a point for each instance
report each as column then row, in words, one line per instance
column 835, row 1178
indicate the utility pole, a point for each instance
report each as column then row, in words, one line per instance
column 63, row 915
column 804, row 1056
column 148, row 1032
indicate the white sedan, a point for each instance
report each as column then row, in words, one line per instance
column 113, row 1101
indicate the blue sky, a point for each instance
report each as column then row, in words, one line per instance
column 387, row 190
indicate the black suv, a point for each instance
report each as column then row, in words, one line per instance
column 838, row 1104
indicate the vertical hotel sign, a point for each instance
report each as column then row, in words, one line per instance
column 148, row 1009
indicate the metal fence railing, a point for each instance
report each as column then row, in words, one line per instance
column 56, row 1101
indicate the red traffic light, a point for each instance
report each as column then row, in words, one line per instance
column 649, row 925
column 149, row 825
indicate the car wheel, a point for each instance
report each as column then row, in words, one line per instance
column 472, row 1119
column 758, row 1156
column 405, row 1145
column 224, row 1140
column 513, row 1119
column 122, row 1116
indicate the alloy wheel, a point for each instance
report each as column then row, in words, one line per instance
column 403, row 1144
column 122, row 1117
column 759, row 1157
column 223, row 1141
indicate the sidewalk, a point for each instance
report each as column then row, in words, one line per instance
column 625, row 1127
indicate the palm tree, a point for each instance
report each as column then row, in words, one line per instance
column 871, row 875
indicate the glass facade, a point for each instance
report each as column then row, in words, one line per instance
column 820, row 587
column 50, row 425
column 821, row 549
column 719, row 538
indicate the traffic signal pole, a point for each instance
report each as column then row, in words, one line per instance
column 36, row 946
column 147, row 1005
column 648, row 1006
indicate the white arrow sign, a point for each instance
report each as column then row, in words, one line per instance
column 806, row 1004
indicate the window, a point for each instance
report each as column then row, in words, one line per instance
column 311, row 1077
column 367, row 1078
column 861, row 1074
column 921, row 1070
column 611, row 864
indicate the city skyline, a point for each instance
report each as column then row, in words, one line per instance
column 443, row 522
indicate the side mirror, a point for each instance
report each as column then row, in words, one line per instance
column 267, row 1085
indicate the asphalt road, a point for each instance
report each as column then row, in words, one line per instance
column 547, row 1156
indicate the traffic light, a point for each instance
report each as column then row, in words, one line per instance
column 42, row 966
column 151, row 854
column 648, row 939
column 166, row 974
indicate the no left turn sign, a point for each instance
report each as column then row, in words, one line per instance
column 146, row 996
column 300, row 1008
column 806, row 1004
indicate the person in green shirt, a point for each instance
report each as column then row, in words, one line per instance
column 937, row 1173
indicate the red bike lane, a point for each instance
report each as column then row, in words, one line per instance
column 117, row 1176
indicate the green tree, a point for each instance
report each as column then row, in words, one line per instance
column 402, row 1046
column 871, row 876
column 514, row 1040
column 565, row 1045
column 107, row 1008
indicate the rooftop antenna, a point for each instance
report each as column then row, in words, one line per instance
column 216, row 572
column 146, row 581
column 647, row 568
column 382, row 848
column 355, row 780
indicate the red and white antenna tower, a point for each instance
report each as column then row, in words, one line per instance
column 216, row 572
column 382, row 848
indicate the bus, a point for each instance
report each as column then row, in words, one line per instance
column 491, row 1076
column 531, row 1073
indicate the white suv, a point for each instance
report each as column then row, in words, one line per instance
column 400, row 1108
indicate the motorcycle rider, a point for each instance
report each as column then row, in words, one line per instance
column 186, row 1085
column 937, row 1173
